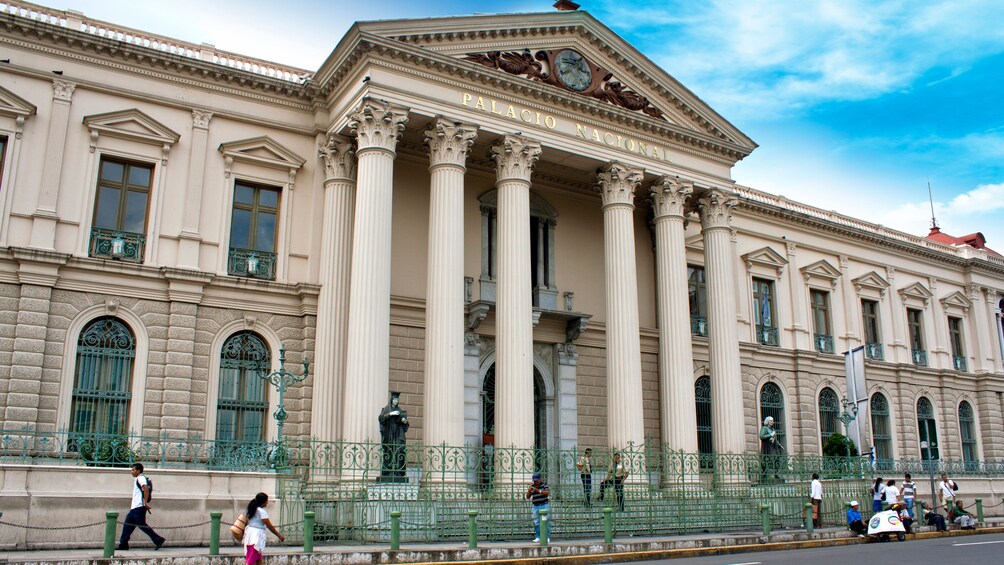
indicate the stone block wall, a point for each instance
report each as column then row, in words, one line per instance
column 407, row 375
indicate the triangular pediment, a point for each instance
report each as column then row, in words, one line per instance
column 695, row 241
column 522, row 53
column 263, row 151
column 13, row 105
column 872, row 281
column 916, row 291
column 132, row 124
column 821, row 270
column 767, row 258
column 957, row 300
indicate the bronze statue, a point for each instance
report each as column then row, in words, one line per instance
column 393, row 425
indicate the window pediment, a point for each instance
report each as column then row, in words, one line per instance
column 871, row 281
column 132, row 125
column 916, row 292
column 263, row 151
column 821, row 271
column 766, row 259
column 15, row 107
column 957, row 301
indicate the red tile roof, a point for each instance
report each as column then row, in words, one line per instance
column 974, row 239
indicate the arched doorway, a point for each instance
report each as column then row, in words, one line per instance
column 488, row 425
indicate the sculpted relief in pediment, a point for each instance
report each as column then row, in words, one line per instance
column 570, row 70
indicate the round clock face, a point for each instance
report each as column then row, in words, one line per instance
column 573, row 70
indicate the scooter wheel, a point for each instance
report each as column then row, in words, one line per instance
column 900, row 536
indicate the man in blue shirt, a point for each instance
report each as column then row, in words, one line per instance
column 854, row 519
column 538, row 494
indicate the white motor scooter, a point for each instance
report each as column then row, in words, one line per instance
column 884, row 524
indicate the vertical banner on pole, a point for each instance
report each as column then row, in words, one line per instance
column 857, row 392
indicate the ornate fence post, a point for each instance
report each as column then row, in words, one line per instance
column 395, row 530
column 308, row 532
column 608, row 525
column 472, row 529
column 807, row 517
column 214, row 532
column 545, row 529
column 765, row 518
column 110, row 518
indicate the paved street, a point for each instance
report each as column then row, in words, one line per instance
column 979, row 549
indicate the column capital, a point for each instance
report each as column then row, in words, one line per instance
column 514, row 157
column 715, row 208
column 377, row 124
column 449, row 142
column 62, row 90
column 200, row 118
column 339, row 159
column 669, row 195
column 616, row 183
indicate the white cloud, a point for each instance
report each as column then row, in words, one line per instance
column 976, row 210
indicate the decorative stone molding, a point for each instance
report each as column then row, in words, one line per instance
column 201, row 118
column 617, row 182
column 975, row 292
column 514, row 157
column 957, row 301
column 476, row 313
column 449, row 142
column 917, row 292
column 132, row 125
column 262, row 151
column 789, row 248
column 62, row 90
column 468, row 289
column 339, row 157
column 250, row 322
column 568, row 354
column 669, row 196
column 377, row 124
column 715, row 208
column 16, row 107
column 111, row 306
column 575, row 327
column 569, row 298
column 766, row 258
column 472, row 343
column 844, row 262
column 821, row 270
column 871, row 281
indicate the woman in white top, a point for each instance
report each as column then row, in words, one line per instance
column 255, row 536
column 878, row 493
column 891, row 493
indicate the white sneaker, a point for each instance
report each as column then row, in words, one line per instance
column 536, row 540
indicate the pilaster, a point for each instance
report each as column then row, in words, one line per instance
column 43, row 227
column 190, row 236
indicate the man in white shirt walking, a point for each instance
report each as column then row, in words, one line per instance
column 946, row 492
column 136, row 518
column 816, row 498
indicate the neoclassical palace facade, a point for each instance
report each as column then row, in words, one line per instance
column 519, row 222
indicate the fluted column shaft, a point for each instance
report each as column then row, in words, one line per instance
column 715, row 208
column 676, row 357
column 514, row 159
column 367, row 363
column 448, row 145
column 338, row 158
column 625, row 422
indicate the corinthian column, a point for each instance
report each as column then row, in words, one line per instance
column 514, row 158
column 377, row 125
column 676, row 356
column 338, row 157
column 448, row 144
column 616, row 184
column 715, row 207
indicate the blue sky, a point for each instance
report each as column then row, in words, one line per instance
column 855, row 104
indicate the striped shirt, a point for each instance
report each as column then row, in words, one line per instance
column 539, row 496
column 909, row 488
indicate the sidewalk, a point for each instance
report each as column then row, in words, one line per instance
column 574, row 552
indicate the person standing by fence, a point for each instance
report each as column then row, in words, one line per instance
column 816, row 498
column 909, row 495
column 585, row 466
column 538, row 494
column 255, row 536
column 946, row 492
column 136, row 518
column 878, row 494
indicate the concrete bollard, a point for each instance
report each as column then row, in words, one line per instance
column 395, row 530
column 472, row 529
column 808, row 517
column 214, row 532
column 308, row 532
column 110, row 517
column 608, row 525
column 765, row 518
column 979, row 510
column 545, row 529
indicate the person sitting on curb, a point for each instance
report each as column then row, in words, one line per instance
column 904, row 516
column 933, row 518
column 961, row 517
column 854, row 520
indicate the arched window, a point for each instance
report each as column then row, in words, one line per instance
column 927, row 429
column 881, row 430
column 242, row 404
column 829, row 407
column 772, row 404
column 967, row 428
column 102, row 385
column 702, row 397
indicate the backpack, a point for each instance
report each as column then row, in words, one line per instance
column 149, row 487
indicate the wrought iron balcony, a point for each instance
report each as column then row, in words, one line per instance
column 766, row 335
column 824, row 343
column 919, row 357
column 699, row 326
column 874, row 351
column 959, row 362
column 120, row 245
column 251, row 263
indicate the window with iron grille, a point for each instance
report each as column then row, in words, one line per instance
column 881, row 429
column 829, row 407
column 254, row 231
column 958, row 346
column 764, row 312
column 102, row 383
column 242, row 405
column 543, row 222
column 118, row 230
column 927, row 428
column 967, row 429
column 772, row 404
column 698, row 294
column 915, row 322
column 702, row 398
column 823, row 337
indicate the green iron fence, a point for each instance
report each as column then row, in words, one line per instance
column 353, row 487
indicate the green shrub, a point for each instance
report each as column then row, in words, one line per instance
column 837, row 446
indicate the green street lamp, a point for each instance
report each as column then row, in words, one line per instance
column 281, row 380
column 848, row 415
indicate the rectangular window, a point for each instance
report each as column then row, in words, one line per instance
column 765, row 312
column 958, row 347
column 121, row 204
column 698, row 294
column 254, row 231
column 915, row 327
column 872, row 330
column 823, row 336
column 3, row 153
